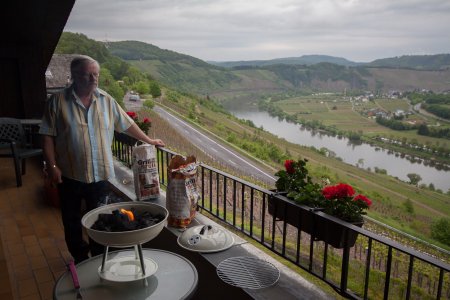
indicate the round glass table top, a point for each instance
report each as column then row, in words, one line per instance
column 175, row 278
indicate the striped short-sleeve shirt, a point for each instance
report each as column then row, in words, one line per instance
column 83, row 136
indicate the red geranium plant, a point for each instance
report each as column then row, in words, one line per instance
column 300, row 187
column 144, row 125
column 340, row 201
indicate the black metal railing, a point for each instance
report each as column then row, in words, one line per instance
column 359, row 265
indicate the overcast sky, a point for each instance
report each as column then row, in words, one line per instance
column 226, row 30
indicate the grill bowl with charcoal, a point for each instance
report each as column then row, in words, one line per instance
column 125, row 224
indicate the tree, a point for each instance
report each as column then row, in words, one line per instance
column 149, row 104
column 112, row 87
column 360, row 163
column 440, row 230
column 414, row 178
column 423, row 130
column 133, row 75
column 141, row 87
column 155, row 90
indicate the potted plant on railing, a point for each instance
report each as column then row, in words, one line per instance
column 340, row 201
column 298, row 198
column 297, row 195
column 144, row 125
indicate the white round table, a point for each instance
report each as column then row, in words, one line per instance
column 175, row 278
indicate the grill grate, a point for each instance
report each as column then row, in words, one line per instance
column 248, row 272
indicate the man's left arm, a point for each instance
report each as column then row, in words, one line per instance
column 138, row 134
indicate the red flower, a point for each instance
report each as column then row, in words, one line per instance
column 146, row 120
column 364, row 199
column 344, row 190
column 329, row 192
column 288, row 164
column 340, row 190
column 131, row 114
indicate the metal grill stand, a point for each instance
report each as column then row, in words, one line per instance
column 138, row 254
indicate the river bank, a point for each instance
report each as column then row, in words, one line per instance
column 363, row 155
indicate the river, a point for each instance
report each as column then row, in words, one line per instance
column 366, row 155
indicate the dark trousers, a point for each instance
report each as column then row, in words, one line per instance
column 71, row 194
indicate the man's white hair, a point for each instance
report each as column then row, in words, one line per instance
column 79, row 62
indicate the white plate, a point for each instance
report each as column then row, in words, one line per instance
column 127, row 268
column 205, row 239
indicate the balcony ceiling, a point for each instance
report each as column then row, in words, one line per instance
column 31, row 22
column 30, row 33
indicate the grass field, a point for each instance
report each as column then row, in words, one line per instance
column 343, row 115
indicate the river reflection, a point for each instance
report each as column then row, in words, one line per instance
column 365, row 155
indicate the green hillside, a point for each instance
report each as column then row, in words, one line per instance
column 183, row 72
column 419, row 62
column 252, row 80
column 302, row 60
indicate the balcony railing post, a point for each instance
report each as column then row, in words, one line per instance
column 441, row 280
column 203, row 185
column 263, row 219
column 234, row 202
column 217, row 194
column 368, row 259
column 224, row 199
column 388, row 274
column 252, row 194
column 242, row 207
column 210, row 190
column 410, row 273
column 299, row 238
column 345, row 263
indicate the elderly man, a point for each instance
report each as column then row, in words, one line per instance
column 77, row 127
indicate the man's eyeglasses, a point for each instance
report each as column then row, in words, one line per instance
column 88, row 75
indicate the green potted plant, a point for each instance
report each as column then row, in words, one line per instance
column 144, row 125
column 342, row 202
column 301, row 202
column 296, row 197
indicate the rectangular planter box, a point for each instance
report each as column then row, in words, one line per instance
column 334, row 233
column 297, row 215
column 306, row 219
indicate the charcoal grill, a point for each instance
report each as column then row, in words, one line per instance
column 122, row 270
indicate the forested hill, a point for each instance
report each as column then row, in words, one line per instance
column 417, row 62
column 307, row 60
column 190, row 74
column 180, row 71
column 135, row 50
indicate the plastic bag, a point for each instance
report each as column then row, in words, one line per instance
column 182, row 195
column 145, row 172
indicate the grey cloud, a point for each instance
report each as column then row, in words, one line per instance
column 238, row 30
